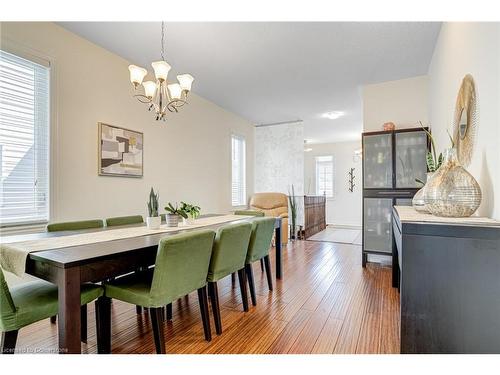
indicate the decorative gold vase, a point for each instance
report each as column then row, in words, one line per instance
column 418, row 201
column 452, row 191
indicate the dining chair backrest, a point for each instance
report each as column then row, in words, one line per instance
column 75, row 225
column 229, row 251
column 181, row 265
column 124, row 220
column 249, row 213
column 7, row 306
column 260, row 239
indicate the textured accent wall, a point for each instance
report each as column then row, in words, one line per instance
column 279, row 159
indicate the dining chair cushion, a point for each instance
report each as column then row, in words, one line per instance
column 33, row 301
column 134, row 288
column 229, row 250
column 181, row 267
column 75, row 225
column 249, row 213
column 260, row 239
column 124, row 220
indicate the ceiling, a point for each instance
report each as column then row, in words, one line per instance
column 271, row 72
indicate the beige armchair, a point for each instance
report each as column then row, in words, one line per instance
column 274, row 205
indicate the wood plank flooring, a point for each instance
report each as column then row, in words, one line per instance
column 327, row 303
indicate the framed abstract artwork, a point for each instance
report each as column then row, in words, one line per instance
column 120, row 151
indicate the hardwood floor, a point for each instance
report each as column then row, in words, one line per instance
column 327, row 303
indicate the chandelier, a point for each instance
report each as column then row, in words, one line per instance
column 161, row 96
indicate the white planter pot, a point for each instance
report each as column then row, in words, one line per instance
column 153, row 222
column 189, row 221
column 172, row 220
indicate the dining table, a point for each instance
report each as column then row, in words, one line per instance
column 70, row 267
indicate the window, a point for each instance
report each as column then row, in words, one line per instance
column 238, row 183
column 324, row 175
column 24, row 140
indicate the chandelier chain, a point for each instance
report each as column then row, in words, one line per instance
column 162, row 40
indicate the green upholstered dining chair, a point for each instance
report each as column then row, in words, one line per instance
column 124, row 220
column 249, row 212
column 181, row 267
column 31, row 302
column 260, row 242
column 76, row 225
column 228, row 256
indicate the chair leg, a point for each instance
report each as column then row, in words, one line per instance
column 53, row 319
column 138, row 309
column 233, row 278
column 262, row 264
column 8, row 342
column 269, row 275
column 214, row 298
column 203, row 301
column 158, row 331
column 251, row 283
column 169, row 311
column 103, row 324
column 242, row 278
column 83, row 323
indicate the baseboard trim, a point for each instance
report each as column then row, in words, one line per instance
column 354, row 227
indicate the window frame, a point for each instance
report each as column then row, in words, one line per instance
column 47, row 61
column 332, row 172
column 243, row 198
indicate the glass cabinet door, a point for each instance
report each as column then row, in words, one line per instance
column 377, row 228
column 411, row 150
column 377, row 161
column 403, row 202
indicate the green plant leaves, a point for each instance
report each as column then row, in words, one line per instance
column 431, row 166
column 153, row 203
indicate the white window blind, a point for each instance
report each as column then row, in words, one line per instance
column 238, row 183
column 324, row 175
column 24, row 140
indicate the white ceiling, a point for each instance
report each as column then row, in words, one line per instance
column 272, row 72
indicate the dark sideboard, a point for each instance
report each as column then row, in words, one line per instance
column 448, row 272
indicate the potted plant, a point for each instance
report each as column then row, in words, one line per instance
column 293, row 211
column 153, row 220
column 192, row 212
column 173, row 214
column 433, row 164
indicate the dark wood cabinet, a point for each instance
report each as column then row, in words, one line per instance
column 448, row 273
column 314, row 215
column 392, row 161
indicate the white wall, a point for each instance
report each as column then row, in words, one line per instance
column 344, row 209
column 279, row 158
column 403, row 102
column 472, row 48
column 185, row 158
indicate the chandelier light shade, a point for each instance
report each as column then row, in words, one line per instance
column 185, row 80
column 160, row 96
column 149, row 89
column 137, row 74
column 161, row 69
column 175, row 91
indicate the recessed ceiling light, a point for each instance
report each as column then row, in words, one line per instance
column 333, row 115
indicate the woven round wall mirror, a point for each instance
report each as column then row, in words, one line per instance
column 464, row 123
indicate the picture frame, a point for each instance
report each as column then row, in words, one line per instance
column 120, row 151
